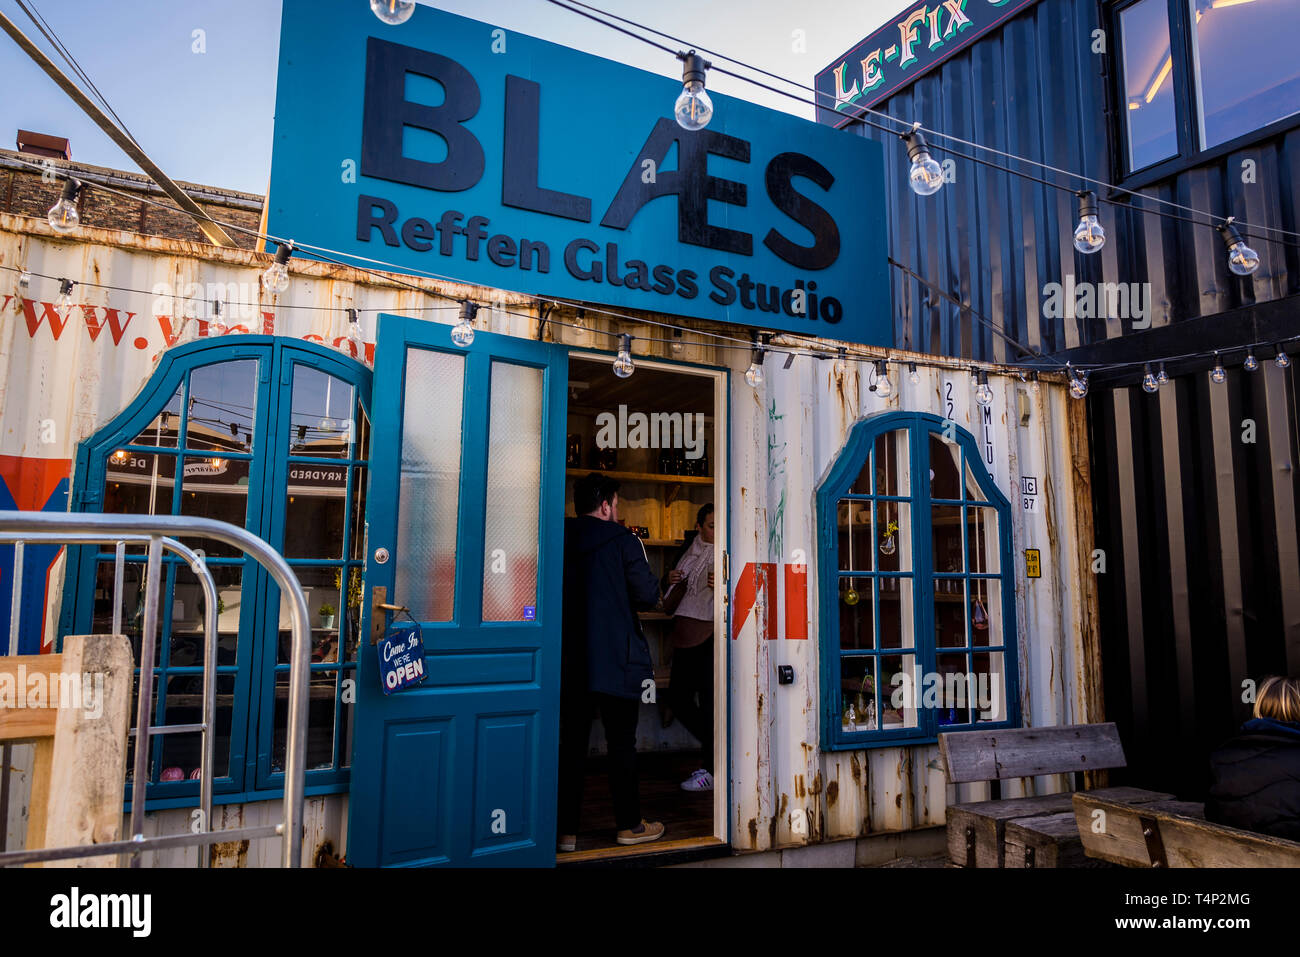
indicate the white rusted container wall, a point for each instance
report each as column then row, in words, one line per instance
column 784, row 438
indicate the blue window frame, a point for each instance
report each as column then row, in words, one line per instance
column 916, row 587
column 267, row 433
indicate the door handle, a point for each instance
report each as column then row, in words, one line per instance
column 378, row 607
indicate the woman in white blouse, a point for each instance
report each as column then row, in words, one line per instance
column 692, row 636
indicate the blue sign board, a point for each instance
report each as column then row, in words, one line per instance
column 455, row 148
column 907, row 46
column 401, row 658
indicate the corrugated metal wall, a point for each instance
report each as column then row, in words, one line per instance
column 1199, row 526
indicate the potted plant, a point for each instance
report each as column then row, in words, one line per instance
column 327, row 616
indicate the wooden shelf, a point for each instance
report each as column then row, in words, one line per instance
column 661, row 543
column 650, row 477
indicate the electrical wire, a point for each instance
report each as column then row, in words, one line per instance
column 905, row 127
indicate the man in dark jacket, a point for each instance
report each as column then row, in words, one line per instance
column 1257, row 774
column 605, row 660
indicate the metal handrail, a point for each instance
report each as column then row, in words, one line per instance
column 157, row 529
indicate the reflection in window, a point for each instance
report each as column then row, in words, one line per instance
column 1148, row 83
column 1247, row 73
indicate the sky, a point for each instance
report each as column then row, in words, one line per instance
column 203, row 104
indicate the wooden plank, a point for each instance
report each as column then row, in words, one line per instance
column 19, row 724
column 1028, row 752
column 88, row 768
column 38, row 804
column 1048, row 841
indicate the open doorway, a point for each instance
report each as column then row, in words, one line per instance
column 661, row 433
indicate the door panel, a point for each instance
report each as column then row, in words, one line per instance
column 466, row 497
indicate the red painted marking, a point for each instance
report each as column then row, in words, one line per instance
column 796, row 602
column 31, row 481
column 754, row 577
column 95, row 326
column 48, row 314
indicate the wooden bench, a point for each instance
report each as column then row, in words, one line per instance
column 1172, row 834
column 977, row 831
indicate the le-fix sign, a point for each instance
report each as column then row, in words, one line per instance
column 452, row 147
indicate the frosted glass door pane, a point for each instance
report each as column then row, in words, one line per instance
column 514, row 487
column 429, row 488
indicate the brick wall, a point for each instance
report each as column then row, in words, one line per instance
column 24, row 193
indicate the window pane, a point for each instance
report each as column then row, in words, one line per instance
column 1148, row 83
column 986, row 611
column 855, row 542
column 892, row 464
column 944, row 459
column 429, row 486
column 982, row 539
column 188, row 612
column 216, row 487
column 946, row 531
column 166, row 425
column 973, row 491
column 321, row 421
column 320, row 720
column 139, row 483
column 221, row 408
column 954, row 697
column 897, row 628
column 315, row 504
column 893, row 541
column 898, row 672
column 360, row 480
column 857, row 617
column 321, row 586
column 858, row 694
column 949, row 618
column 991, row 685
column 1247, row 73
column 513, row 490
column 181, row 753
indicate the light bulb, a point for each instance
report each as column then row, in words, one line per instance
column 1033, row 384
column 393, row 12
column 913, row 376
column 356, row 338
column 926, row 175
column 983, row 394
column 462, row 334
column 65, row 294
column 63, row 216
column 884, row 388
column 676, row 345
column 1218, row 374
column 24, row 282
column 276, row 276
column 693, row 108
column 1078, row 383
column 1161, row 378
column 1149, row 382
column 119, row 456
column 1281, row 360
column 754, row 374
column 1251, row 363
column 216, row 463
column 1242, row 260
column 841, row 363
column 1089, row 237
column 623, row 366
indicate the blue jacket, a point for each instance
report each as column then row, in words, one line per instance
column 606, row 579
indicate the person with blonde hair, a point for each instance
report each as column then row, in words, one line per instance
column 1256, row 775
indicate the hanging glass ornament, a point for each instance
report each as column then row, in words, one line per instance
column 851, row 597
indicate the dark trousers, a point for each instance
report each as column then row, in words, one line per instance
column 693, row 675
column 619, row 716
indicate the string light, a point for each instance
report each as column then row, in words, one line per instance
column 913, row 376
column 1219, row 374
column 754, row 374
column 276, row 277
column 393, row 12
column 677, row 346
column 1161, row 378
column 63, row 216
column 1078, row 381
column 841, row 363
column 926, row 175
column 1241, row 258
column 1089, row 237
column 623, row 366
column 1033, row 384
column 983, row 394
column 65, row 294
column 1251, row 363
column 355, row 337
column 882, row 386
column 693, row 108
column 24, row 282
column 216, row 327
column 119, row 456
column 462, row 334
column 1281, row 360
column 1149, row 382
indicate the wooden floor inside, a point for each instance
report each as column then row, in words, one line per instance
column 685, row 815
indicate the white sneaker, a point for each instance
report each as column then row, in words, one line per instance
column 700, row 780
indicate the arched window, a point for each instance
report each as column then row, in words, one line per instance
column 271, row 434
column 916, row 587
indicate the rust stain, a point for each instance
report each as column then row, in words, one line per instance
column 229, row 854
column 816, row 786
column 753, row 833
column 798, row 786
column 832, row 793
column 771, row 833
column 785, row 801
column 856, row 767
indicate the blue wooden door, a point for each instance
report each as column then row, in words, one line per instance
column 465, row 528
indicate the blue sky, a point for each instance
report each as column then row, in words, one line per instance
column 207, row 117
